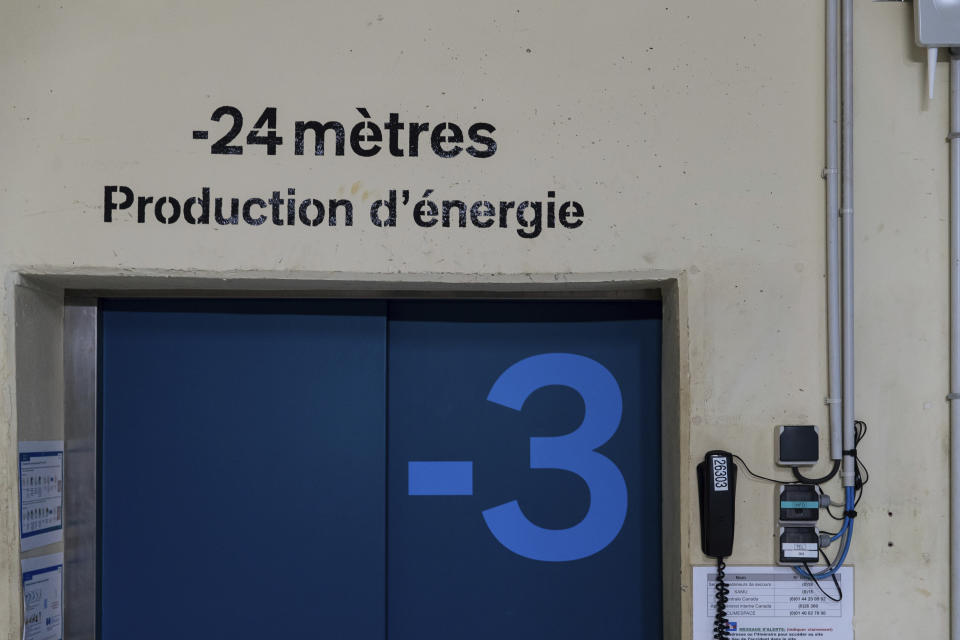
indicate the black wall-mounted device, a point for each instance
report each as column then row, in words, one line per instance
column 798, row 545
column 798, row 445
column 717, row 483
column 798, row 503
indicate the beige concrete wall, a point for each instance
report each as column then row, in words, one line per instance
column 692, row 133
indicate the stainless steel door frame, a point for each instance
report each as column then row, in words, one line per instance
column 80, row 468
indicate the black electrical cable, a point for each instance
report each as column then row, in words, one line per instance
column 816, row 581
column 858, row 482
column 861, row 473
column 861, row 429
column 757, row 475
column 861, row 477
column 721, row 626
column 830, row 513
column 805, row 480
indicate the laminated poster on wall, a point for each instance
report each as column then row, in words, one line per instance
column 43, row 597
column 41, row 493
column 773, row 603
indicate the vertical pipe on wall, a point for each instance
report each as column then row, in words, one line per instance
column 846, row 219
column 954, row 396
column 830, row 174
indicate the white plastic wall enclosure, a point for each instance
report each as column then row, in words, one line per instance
column 937, row 22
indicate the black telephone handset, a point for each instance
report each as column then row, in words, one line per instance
column 717, row 481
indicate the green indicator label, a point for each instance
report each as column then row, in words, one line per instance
column 799, row 504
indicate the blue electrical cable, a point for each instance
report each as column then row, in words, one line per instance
column 842, row 530
column 850, row 503
column 846, row 520
column 847, row 532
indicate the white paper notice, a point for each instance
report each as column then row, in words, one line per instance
column 41, row 493
column 43, row 597
column 773, row 603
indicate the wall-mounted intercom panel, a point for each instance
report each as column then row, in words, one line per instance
column 798, row 545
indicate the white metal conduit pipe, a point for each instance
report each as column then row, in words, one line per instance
column 839, row 241
column 832, row 177
column 954, row 396
column 848, row 473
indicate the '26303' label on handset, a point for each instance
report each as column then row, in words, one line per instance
column 721, row 481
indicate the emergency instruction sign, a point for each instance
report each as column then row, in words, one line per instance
column 41, row 493
column 774, row 603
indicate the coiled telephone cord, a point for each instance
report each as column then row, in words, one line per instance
column 721, row 626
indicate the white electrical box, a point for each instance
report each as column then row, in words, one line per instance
column 938, row 22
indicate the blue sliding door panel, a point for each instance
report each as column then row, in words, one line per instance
column 242, row 470
column 358, row 470
column 524, row 470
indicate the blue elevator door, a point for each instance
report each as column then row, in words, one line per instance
column 524, row 471
column 242, row 474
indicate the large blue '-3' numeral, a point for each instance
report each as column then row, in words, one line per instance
column 573, row 452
